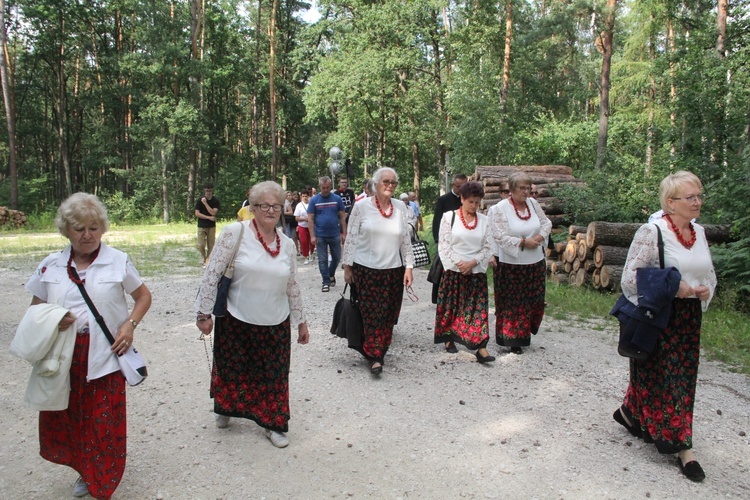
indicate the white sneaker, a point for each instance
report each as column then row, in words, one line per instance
column 278, row 439
column 222, row 421
column 80, row 489
column 307, row 261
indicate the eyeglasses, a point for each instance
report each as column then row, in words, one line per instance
column 535, row 192
column 694, row 198
column 525, row 188
column 265, row 207
column 388, row 182
column 505, row 191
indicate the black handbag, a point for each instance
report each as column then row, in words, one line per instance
column 436, row 269
column 347, row 319
column 420, row 250
column 222, row 290
column 625, row 347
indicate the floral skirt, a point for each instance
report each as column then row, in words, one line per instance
column 461, row 313
column 91, row 434
column 661, row 392
column 381, row 292
column 519, row 302
column 250, row 375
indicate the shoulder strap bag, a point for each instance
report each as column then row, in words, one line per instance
column 222, row 292
column 132, row 364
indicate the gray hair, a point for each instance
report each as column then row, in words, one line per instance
column 517, row 178
column 379, row 174
column 263, row 188
column 370, row 187
column 79, row 209
column 324, row 180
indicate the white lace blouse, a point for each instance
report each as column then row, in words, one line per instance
column 458, row 243
column 694, row 264
column 508, row 229
column 375, row 241
column 264, row 289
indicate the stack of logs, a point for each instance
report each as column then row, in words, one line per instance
column 546, row 178
column 12, row 218
column 595, row 255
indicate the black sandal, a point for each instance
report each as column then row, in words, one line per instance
column 376, row 370
column 619, row 416
column 450, row 346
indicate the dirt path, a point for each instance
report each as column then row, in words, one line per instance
column 435, row 425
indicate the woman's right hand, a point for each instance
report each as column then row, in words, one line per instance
column 348, row 274
column 685, row 291
column 206, row 326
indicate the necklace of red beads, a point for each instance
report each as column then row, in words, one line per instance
column 380, row 209
column 272, row 253
column 463, row 220
column 74, row 275
column 687, row 244
column 515, row 207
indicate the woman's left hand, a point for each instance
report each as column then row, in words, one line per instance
column 124, row 338
column 303, row 334
column 702, row 292
column 408, row 277
column 465, row 266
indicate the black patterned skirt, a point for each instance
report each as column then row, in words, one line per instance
column 519, row 302
column 381, row 292
column 250, row 375
column 461, row 313
column 661, row 392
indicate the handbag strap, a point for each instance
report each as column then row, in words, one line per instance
column 92, row 307
column 660, row 245
column 229, row 272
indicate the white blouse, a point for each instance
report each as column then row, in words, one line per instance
column 375, row 241
column 694, row 264
column 301, row 211
column 264, row 289
column 509, row 229
column 458, row 243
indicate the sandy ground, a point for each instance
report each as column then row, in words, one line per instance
column 435, row 425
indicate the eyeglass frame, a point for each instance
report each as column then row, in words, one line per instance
column 389, row 182
column 269, row 207
column 692, row 199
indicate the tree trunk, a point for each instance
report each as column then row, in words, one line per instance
column 10, row 111
column 606, row 49
column 610, row 255
column 272, row 88
column 610, row 277
column 62, row 143
column 506, row 57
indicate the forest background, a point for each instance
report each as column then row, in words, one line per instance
column 141, row 101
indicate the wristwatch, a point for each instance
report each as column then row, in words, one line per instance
column 133, row 322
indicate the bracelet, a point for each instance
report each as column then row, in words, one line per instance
column 523, row 243
column 203, row 317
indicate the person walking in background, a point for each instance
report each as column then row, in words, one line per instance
column 252, row 347
column 346, row 194
column 417, row 210
column 446, row 203
column 205, row 211
column 245, row 212
column 89, row 434
column 411, row 217
column 378, row 260
column 327, row 222
column 658, row 403
column 465, row 250
column 521, row 229
column 291, row 220
column 303, row 231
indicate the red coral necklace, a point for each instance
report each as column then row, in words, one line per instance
column 386, row 215
column 463, row 221
column 515, row 207
column 687, row 244
column 272, row 253
column 74, row 276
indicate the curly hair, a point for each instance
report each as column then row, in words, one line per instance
column 78, row 210
column 471, row 189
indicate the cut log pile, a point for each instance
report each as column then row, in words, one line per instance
column 546, row 178
column 12, row 218
column 594, row 256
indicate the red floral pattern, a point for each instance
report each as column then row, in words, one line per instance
column 381, row 292
column 250, row 375
column 461, row 313
column 661, row 392
column 91, row 434
column 519, row 302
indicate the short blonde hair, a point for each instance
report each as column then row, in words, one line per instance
column 263, row 188
column 517, row 178
column 670, row 186
column 79, row 209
